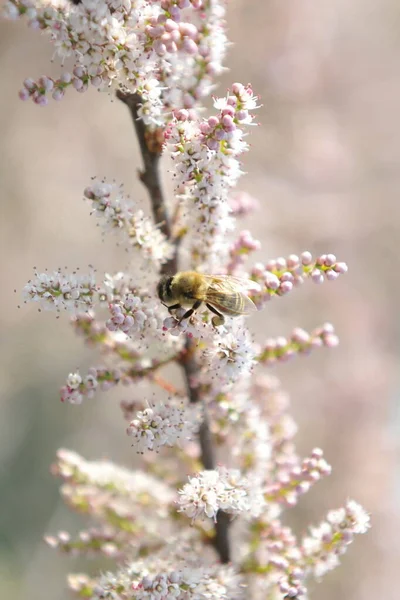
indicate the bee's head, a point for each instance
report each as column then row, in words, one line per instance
column 164, row 288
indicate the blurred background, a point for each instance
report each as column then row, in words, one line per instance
column 324, row 166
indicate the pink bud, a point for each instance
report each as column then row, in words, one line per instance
column 286, row 287
column 66, row 77
column 212, row 144
column 159, row 48
column 175, row 13
column 317, row 453
column 213, row 122
column 237, row 88
column 228, row 110
column 78, row 72
column 331, row 341
column 227, row 122
column 281, row 263
column 41, row 100
column 331, row 275
column 170, row 25
column 188, row 29
column 24, row 94
column 154, row 32
column 77, row 83
column 292, row 261
column 219, row 134
column 96, row 81
column 341, row 267
column 205, row 128
column 182, row 114
column 29, row 84
column 306, row 258
column 242, row 115
column 58, row 94
column 317, row 276
column 189, row 46
column 330, row 260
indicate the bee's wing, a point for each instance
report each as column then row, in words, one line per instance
column 230, row 282
column 224, row 293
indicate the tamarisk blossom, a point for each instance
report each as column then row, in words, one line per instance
column 162, row 425
column 169, row 535
column 300, row 342
column 221, row 489
column 280, row 276
column 167, row 52
column 206, row 167
column 151, row 579
column 118, row 212
column 124, row 506
column 240, row 251
column 57, row 290
column 323, row 546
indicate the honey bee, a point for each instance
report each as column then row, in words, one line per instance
column 222, row 294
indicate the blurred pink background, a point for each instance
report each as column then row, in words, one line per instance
column 324, row 165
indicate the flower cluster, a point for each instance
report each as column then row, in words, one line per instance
column 300, row 342
column 221, row 489
column 162, row 425
column 242, row 204
column 280, row 276
column 323, row 546
column 147, row 580
column 231, row 355
column 125, row 505
column 57, row 290
column 139, row 46
column 207, row 167
column 298, row 480
column 118, row 212
column 240, row 250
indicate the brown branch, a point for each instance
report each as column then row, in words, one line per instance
column 150, row 176
column 150, row 149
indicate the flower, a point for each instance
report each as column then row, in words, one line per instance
column 207, row 167
column 220, row 489
column 232, row 354
column 56, row 290
column 153, row 578
column 279, row 277
column 162, row 425
column 141, row 47
column 330, row 539
column 118, row 213
column 300, row 343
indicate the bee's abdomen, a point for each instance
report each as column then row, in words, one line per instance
column 230, row 304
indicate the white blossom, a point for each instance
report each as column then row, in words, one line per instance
column 166, row 54
column 220, row 489
column 155, row 578
column 161, row 425
column 57, row 290
column 232, row 354
column 119, row 212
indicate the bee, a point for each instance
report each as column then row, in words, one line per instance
column 222, row 294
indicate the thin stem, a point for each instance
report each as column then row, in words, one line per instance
column 150, row 148
column 150, row 176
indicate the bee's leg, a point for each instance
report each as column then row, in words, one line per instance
column 189, row 312
column 174, row 307
column 219, row 319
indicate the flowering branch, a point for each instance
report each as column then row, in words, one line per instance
column 150, row 177
column 300, row 343
column 160, row 57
